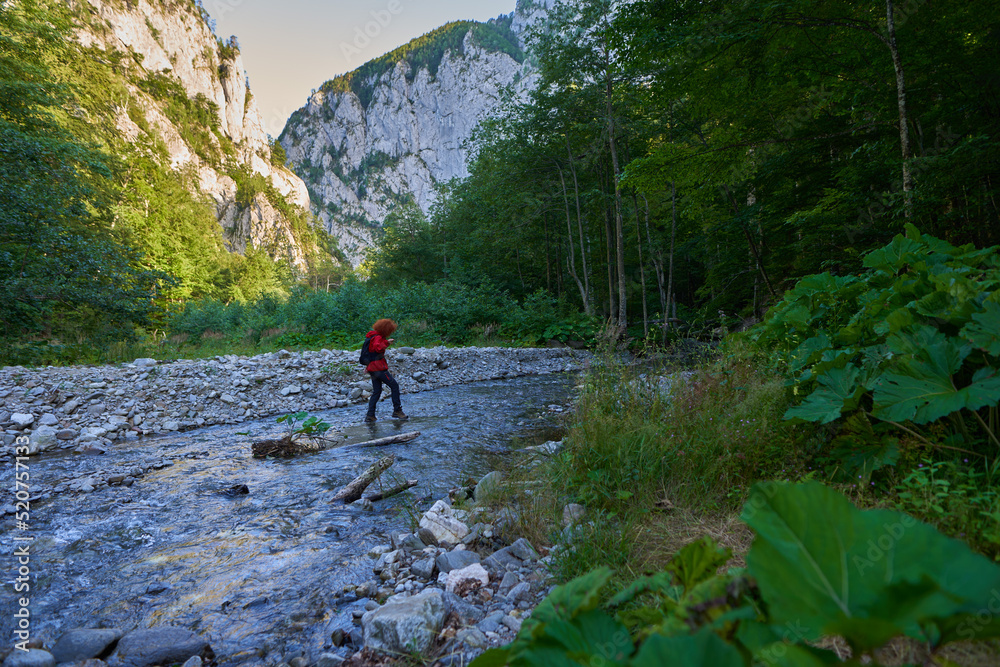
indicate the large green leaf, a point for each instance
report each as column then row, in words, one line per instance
column 830, row 569
column 892, row 257
column 839, row 389
column 984, row 329
column 922, row 388
column 697, row 562
column 589, row 634
column 704, row 648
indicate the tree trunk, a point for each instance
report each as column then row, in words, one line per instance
column 588, row 307
column 572, row 253
column 657, row 259
column 612, row 313
column 353, row 491
column 670, row 271
column 390, row 440
column 394, row 491
column 619, row 225
column 904, row 127
column 642, row 268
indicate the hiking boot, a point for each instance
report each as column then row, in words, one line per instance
column 369, row 419
column 399, row 414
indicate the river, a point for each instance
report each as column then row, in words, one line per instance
column 257, row 574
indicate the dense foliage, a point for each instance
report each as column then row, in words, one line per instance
column 702, row 156
column 99, row 236
column 818, row 568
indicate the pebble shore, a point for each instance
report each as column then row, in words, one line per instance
column 88, row 409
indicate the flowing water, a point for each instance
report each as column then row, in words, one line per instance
column 257, row 573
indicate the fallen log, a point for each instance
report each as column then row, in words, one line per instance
column 285, row 447
column 353, row 491
column 390, row 440
column 396, row 490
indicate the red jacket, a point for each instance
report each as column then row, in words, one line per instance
column 376, row 346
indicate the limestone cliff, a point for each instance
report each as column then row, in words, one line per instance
column 398, row 126
column 169, row 49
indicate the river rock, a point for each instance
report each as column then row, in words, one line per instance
column 573, row 513
column 144, row 362
column 405, row 625
column 508, row 582
column 66, row 434
column 520, row 592
column 488, row 487
column 522, row 549
column 499, row 560
column 440, row 521
column 33, row 657
column 330, row 660
column 42, row 439
column 22, row 421
column 405, row 350
column 456, row 560
column 158, row 646
column 423, row 568
column 473, row 576
column 472, row 637
column 82, row 644
column 468, row 614
column 48, row 419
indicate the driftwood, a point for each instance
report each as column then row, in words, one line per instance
column 353, row 491
column 285, row 447
column 390, row 440
column 382, row 495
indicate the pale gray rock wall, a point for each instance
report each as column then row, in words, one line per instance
column 411, row 137
column 175, row 40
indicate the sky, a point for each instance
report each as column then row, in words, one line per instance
column 291, row 47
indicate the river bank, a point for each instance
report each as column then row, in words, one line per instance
column 88, row 409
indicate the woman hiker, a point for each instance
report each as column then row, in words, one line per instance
column 378, row 340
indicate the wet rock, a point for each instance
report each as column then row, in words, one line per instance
column 171, row 426
column 42, row 439
column 31, row 658
column 456, row 560
column 82, row 644
column 467, row 578
column 158, row 646
column 90, row 449
column 66, row 434
column 405, row 625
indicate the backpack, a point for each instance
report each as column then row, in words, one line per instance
column 367, row 356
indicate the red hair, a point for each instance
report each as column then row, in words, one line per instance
column 384, row 328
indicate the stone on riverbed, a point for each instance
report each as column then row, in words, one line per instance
column 467, row 578
column 405, row 625
column 82, row 644
column 32, row 658
column 158, row 646
column 440, row 522
column 42, row 439
column 456, row 560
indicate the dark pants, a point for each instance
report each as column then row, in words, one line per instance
column 378, row 378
